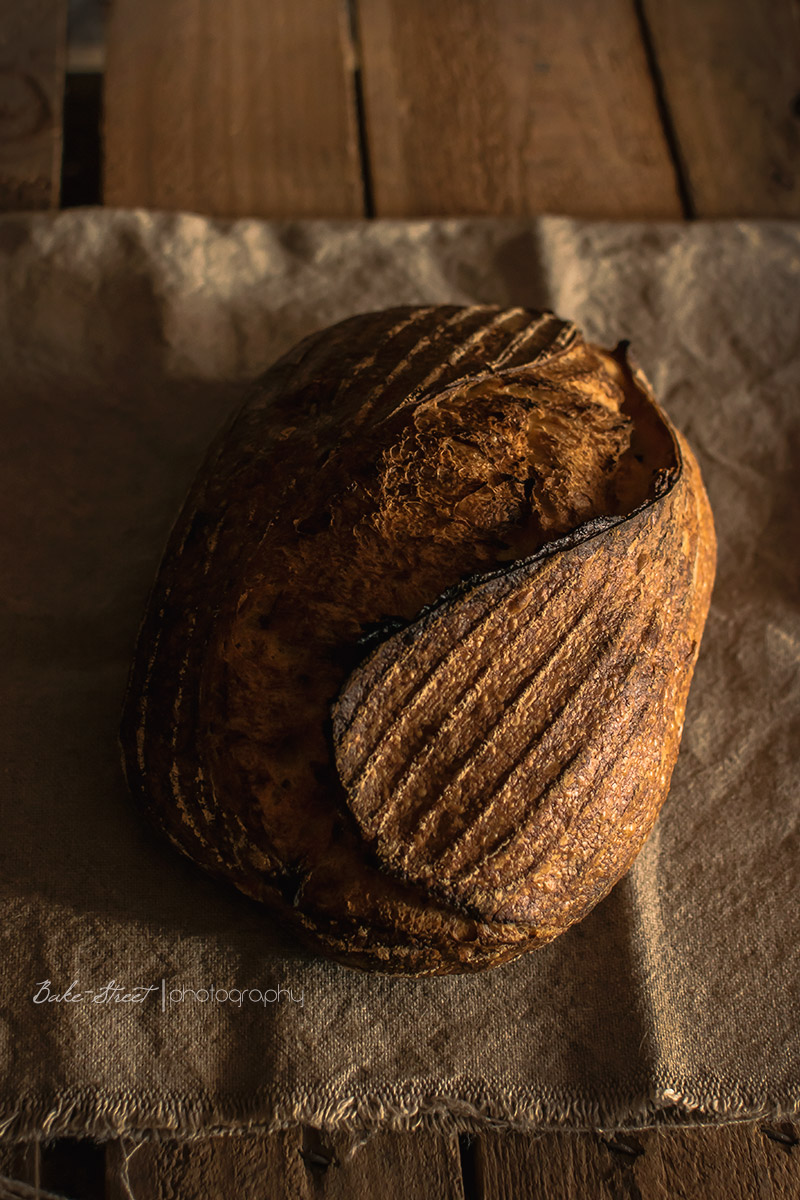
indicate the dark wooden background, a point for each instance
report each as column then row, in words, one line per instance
column 679, row 109
column 292, row 108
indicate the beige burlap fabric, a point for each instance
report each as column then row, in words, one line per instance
column 126, row 339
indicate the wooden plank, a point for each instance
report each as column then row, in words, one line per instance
column 512, row 107
column 550, row 1166
column 388, row 1166
column 244, row 1166
column 19, row 1162
column 303, row 1164
column 32, row 54
column 729, row 1162
column 238, row 109
column 731, row 80
column 725, row 1163
column 780, row 1144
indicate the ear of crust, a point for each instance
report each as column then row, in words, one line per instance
column 510, row 751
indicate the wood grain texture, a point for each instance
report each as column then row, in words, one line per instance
column 388, row 1166
column 729, row 1162
column 512, row 107
column 32, row 56
column 20, row 1162
column 208, row 1168
column 235, row 109
column 731, row 80
column 301, row 1164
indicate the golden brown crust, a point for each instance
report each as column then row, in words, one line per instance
column 414, row 668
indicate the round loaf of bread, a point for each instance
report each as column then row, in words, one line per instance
column 414, row 668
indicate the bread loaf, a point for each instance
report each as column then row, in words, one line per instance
column 414, row 668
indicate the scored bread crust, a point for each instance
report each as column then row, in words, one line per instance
column 414, row 668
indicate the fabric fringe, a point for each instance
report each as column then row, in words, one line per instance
column 147, row 1117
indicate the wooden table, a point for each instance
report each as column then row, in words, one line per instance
column 297, row 108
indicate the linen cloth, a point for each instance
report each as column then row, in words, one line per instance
column 126, row 338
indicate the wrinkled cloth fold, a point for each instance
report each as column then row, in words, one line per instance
column 139, row 995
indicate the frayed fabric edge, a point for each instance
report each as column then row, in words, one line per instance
column 148, row 1117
